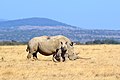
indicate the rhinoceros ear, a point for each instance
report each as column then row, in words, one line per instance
column 66, row 42
column 71, row 43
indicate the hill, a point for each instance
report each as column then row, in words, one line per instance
column 36, row 23
column 2, row 20
column 24, row 29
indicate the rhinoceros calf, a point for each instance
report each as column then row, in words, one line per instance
column 46, row 46
column 70, row 48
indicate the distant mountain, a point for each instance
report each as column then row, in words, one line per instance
column 2, row 20
column 24, row 29
column 28, row 22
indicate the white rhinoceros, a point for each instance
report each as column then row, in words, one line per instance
column 46, row 46
column 59, row 46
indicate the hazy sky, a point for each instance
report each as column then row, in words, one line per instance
column 88, row 14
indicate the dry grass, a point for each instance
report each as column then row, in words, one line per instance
column 103, row 65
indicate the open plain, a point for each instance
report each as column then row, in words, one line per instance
column 104, row 64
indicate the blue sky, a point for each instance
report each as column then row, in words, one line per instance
column 87, row 14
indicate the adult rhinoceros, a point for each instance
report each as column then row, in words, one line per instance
column 46, row 46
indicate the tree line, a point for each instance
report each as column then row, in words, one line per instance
column 107, row 41
column 2, row 43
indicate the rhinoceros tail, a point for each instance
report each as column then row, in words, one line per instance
column 27, row 48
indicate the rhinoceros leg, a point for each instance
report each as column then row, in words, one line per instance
column 59, row 55
column 65, row 57
column 29, row 55
column 35, row 56
column 55, row 58
column 32, row 53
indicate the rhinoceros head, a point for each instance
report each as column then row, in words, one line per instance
column 71, row 54
column 64, row 46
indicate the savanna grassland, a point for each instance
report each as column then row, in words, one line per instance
column 104, row 64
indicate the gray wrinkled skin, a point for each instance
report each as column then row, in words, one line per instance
column 46, row 46
column 51, row 45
